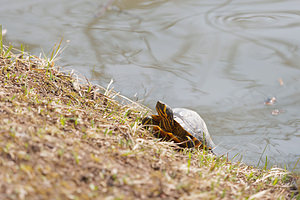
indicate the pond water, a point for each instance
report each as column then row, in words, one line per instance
column 222, row 59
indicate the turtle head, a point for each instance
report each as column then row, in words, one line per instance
column 165, row 112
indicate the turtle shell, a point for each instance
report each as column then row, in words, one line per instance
column 181, row 125
column 191, row 122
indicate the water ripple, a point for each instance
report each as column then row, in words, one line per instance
column 259, row 20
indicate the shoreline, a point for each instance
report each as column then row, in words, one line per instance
column 62, row 138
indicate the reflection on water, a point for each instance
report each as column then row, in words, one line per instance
column 222, row 59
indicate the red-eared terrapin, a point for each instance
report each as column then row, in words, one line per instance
column 181, row 125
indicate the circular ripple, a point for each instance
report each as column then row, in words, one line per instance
column 257, row 20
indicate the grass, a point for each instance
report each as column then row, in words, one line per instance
column 63, row 138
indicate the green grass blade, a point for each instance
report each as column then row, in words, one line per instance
column 55, row 50
column 266, row 163
column 22, row 50
column 262, row 155
column 296, row 164
column 8, row 50
column 189, row 161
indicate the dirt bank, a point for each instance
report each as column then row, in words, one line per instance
column 64, row 139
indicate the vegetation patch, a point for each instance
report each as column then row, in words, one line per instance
column 62, row 138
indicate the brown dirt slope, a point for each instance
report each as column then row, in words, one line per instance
column 60, row 139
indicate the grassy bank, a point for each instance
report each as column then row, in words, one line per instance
column 62, row 138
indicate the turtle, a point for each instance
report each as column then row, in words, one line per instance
column 183, row 126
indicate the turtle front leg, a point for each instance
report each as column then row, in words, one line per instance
column 158, row 132
column 151, row 120
column 155, row 122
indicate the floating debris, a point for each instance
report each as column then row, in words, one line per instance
column 281, row 83
column 277, row 112
column 270, row 101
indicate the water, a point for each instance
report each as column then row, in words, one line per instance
column 220, row 58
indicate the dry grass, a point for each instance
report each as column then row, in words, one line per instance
column 62, row 139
